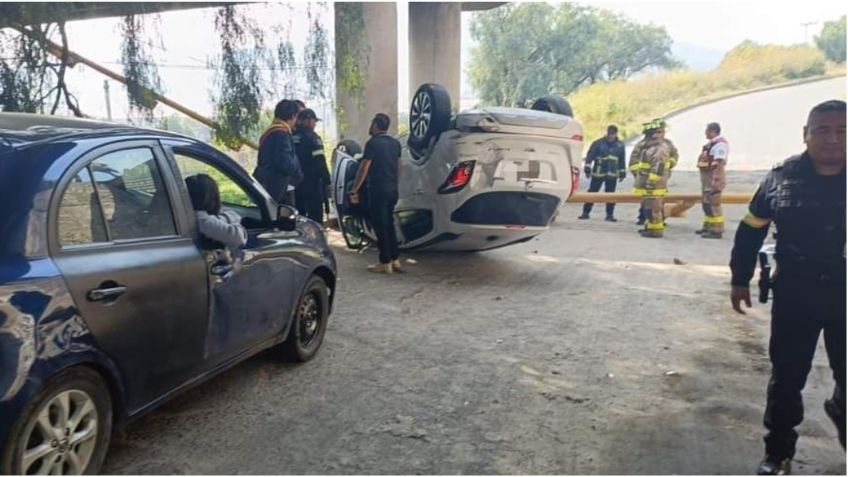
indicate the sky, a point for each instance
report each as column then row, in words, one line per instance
column 189, row 39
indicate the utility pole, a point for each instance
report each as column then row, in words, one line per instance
column 806, row 25
column 108, row 101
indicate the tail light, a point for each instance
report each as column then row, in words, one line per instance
column 459, row 177
column 575, row 180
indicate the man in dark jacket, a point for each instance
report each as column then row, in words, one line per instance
column 605, row 164
column 380, row 167
column 310, row 193
column 805, row 198
column 278, row 167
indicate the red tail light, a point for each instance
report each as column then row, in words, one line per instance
column 575, row 181
column 459, row 177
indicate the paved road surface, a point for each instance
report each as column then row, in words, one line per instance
column 762, row 128
column 585, row 351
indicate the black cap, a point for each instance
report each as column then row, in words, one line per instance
column 308, row 114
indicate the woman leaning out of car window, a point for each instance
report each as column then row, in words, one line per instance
column 213, row 221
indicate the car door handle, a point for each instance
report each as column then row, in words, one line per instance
column 103, row 294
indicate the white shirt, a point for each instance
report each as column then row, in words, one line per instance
column 720, row 150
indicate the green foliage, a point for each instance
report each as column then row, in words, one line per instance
column 24, row 71
column 139, row 68
column 315, row 59
column 238, row 98
column 531, row 50
column 630, row 103
column 831, row 41
column 351, row 52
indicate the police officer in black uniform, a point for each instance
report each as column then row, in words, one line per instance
column 605, row 163
column 312, row 190
column 805, row 198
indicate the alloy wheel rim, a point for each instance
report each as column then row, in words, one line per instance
column 420, row 114
column 61, row 437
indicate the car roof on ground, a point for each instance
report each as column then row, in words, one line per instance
column 18, row 129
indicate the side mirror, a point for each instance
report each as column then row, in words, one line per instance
column 286, row 217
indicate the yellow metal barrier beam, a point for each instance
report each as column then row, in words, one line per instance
column 676, row 204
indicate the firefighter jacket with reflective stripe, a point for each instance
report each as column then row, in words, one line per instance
column 654, row 168
column 606, row 159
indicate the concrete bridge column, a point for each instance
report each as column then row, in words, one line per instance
column 435, row 41
column 380, row 66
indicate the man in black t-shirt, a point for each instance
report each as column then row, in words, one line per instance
column 379, row 171
column 805, row 198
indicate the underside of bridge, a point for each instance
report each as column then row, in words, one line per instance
column 434, row 46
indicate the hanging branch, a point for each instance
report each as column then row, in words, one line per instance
column 138, row 66
column 315, row 59
column 238, row 97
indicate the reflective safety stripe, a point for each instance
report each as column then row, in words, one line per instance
column 640, row 166
column 650, row 192
column 755, row 221
column 714, row 220
column 654, row 177
column 655, row 226
column 318, row 152
column 672, row 162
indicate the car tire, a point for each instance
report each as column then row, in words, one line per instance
column 76, row 390
column 429, row 115
column 309, row 323
column 349, row 147
column 553, row 104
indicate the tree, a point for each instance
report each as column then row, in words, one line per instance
column 831, row 41
column 530, row 50
column 32, row 79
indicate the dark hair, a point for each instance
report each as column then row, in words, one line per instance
column 832, row 106
column 612, row 129
column 285, row 110
column 382, row 121
column 714, row 127
column 300, row 103
column 204, row 194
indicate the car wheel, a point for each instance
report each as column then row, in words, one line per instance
column 310, row 322
column 65, row 429
column 352, row 231
column 429, row 115
column 553, row 104
column 349, row 147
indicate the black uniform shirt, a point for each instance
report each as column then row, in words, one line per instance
column 310, row 154
column 808, row 210
column 384, row 153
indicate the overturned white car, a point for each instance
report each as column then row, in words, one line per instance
column 477, row 180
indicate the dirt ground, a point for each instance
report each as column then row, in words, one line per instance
column 587, row 351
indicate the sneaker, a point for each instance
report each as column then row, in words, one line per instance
column 832, row 411
column 700, row 232
column 610, row 218
column 711, row 235
column 640, row 222
column 380, row 268
column 583, row 217
column 775, row 466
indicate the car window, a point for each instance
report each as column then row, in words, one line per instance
column 233, row 195
column 80, row 220
column 132, row 194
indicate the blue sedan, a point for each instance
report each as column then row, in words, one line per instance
column 110, row 300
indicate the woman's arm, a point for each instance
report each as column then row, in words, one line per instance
column 225, row 228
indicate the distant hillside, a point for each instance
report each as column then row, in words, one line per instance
column 696, row 57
